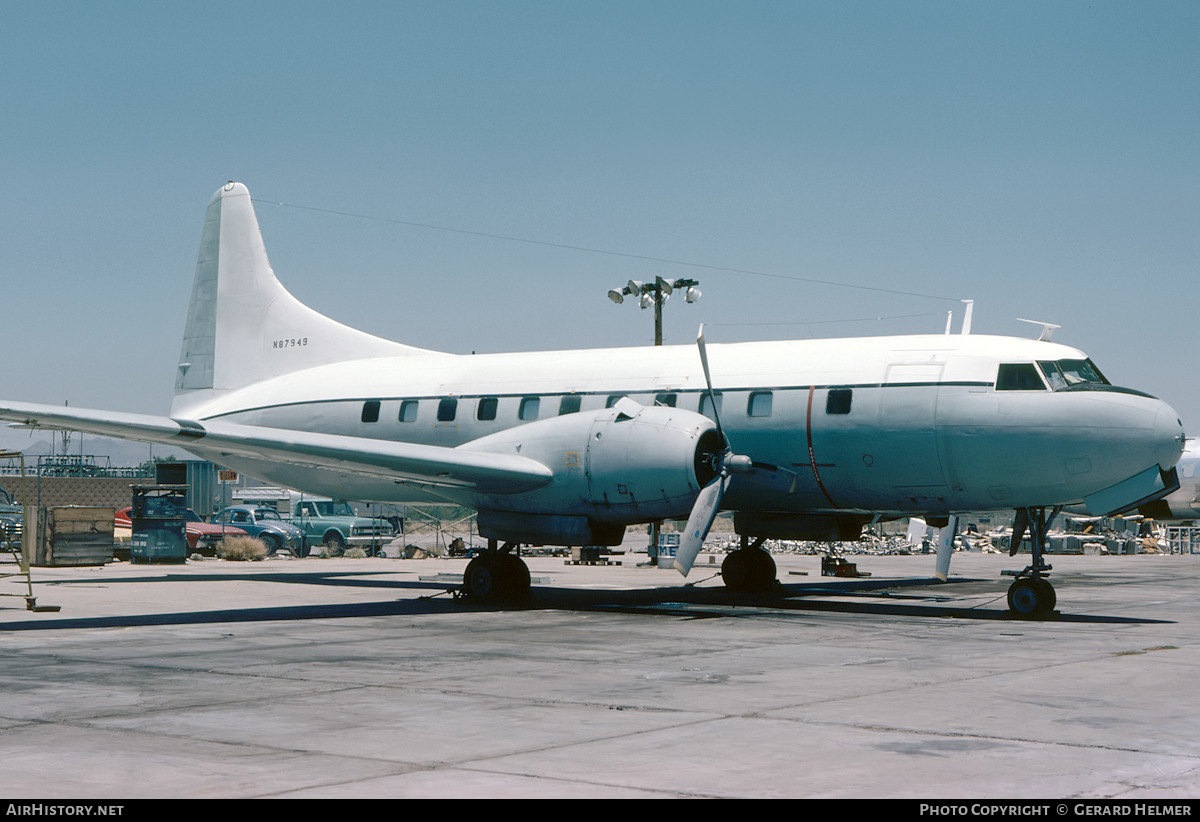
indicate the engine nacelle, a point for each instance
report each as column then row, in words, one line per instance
column 547, row 529
column 614, row 467
column 814, row 527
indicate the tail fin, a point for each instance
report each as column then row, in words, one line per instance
column 243, row 326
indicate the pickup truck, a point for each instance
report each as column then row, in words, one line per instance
column 335, row 525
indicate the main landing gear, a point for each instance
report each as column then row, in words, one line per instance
column 1031, row 595
column 749, row 568
column 496, row 576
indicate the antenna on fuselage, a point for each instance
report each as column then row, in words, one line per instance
column 966, row 326
column 1047, row 328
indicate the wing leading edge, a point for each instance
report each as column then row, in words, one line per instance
column 488, row 473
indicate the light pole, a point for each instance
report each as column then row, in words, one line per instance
column 654, row 295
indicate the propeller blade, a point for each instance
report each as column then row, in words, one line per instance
column 712, row 400
column 703, row 357
column 708, row 502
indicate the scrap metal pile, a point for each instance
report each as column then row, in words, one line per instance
column 1079, row 536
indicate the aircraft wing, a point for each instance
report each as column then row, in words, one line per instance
column 404, row 462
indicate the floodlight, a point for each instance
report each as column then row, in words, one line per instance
column 655, row 295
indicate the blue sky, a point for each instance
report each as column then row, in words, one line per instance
column 1037, row 157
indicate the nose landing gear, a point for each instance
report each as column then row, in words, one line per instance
column 1031, row 595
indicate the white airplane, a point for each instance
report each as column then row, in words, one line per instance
column 1184, row 502
column 570, row 447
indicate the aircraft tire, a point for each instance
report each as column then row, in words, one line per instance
column 1031, row 597
column 517, row 576
column 748, row 569
column 1049, row 597
column 496, row 578
column 481, row 580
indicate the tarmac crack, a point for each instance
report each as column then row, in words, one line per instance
column 1018, row 740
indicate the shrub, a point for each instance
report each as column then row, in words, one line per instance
column 241, row 549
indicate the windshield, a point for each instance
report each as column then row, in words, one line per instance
column 266, row 513
column 325, row 508
column 334, row 509
column 1066, row 374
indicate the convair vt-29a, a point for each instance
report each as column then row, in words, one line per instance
column 808, row 439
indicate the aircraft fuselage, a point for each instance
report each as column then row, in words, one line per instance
column 882, row 425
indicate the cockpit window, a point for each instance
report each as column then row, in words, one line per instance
column 1064, row 375
column 1019, row 376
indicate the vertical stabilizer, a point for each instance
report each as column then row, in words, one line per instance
column 242, row 325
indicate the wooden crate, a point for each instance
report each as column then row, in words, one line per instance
column 74, row 535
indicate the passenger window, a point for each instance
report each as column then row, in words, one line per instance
column 487, row 408
column 1019, row 376
column 710, row 406
column 370, row 411
column 569, row 404
column 408, row 411
column 529, row 408
column 759, row 404
column 665, row 399
column 838, row 401
column 447, row 409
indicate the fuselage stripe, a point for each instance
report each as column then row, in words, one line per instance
column 559, row 393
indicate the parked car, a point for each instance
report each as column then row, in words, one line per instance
column 200, row 535
column 334, row 524
column 267, row 525
column 12, row 520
